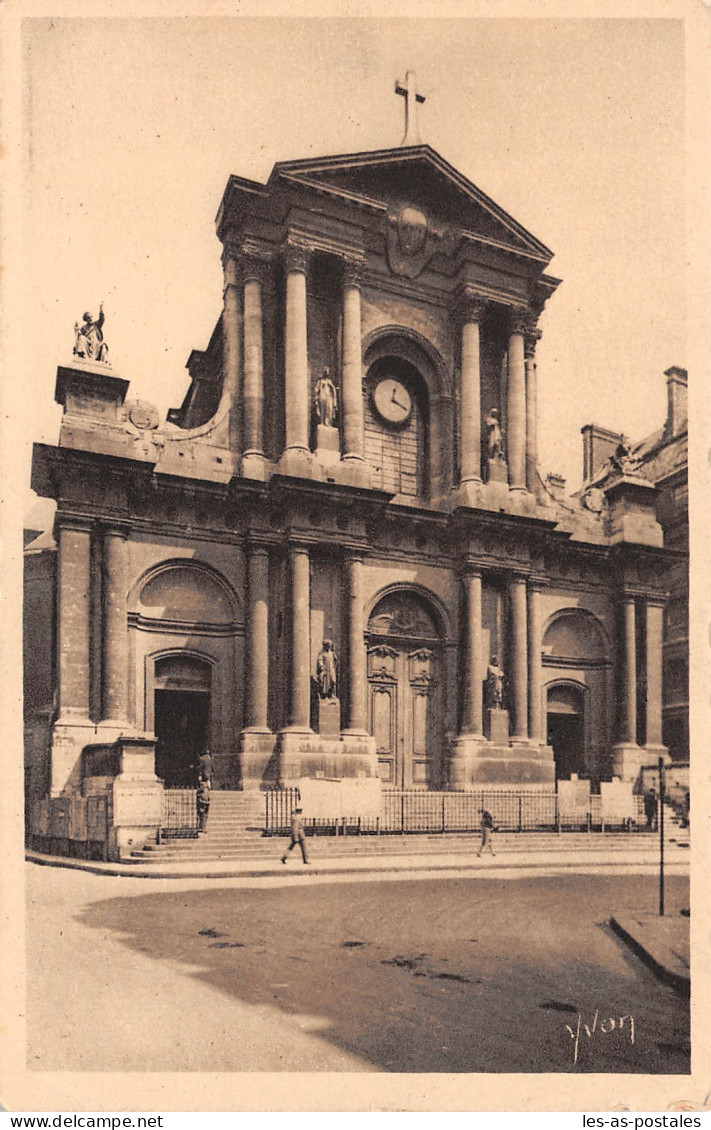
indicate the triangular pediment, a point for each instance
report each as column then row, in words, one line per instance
column 416, row 177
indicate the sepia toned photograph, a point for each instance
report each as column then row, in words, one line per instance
column 352, row 463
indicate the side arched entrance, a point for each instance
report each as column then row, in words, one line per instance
column 566, row 729
column 405, row 699
column 182, row 691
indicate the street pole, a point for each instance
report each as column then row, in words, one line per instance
column 660, row 822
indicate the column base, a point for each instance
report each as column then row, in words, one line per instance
column 257, row 760
column 628, row 758
column 299, row 463
column 70, row 735
column 477, row 762
column 305, row 754
column 255, row 466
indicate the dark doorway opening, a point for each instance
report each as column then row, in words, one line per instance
column 566, row 736
column 181, row 728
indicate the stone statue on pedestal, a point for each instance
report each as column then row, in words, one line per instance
column 493, row 428
column 327, row 671
column 495, row 685
column 89, row 344
column 326, row 400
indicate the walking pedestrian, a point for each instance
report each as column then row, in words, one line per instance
column 650, row 808
column 202, row 800
column 297, row 835
column 487, row 827
column 205, row 766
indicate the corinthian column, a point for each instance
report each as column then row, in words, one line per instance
column 535, row 680
column 516, row 406
column 257, row 668
column 655, row 623
column 115, row 625
column 357, row 678
column 73, row 600
column 254, row 273
column 352, row 377
column 474, row 677
column 300, row 699
column 472, row 311
column 296, row 366
column 628, row 699
column 519, row 656
column 531, row 337
column 231, row 344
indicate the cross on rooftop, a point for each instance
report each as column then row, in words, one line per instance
column 409, row 93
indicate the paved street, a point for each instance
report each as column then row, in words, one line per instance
column 475, row 973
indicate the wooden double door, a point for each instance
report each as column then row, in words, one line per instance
column 405, row 712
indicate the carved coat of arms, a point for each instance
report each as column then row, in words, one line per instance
column 412, row 241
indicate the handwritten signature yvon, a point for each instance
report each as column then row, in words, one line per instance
column 604, row 1026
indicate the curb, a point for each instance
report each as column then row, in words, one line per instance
column 390, row 864
column 673, row 977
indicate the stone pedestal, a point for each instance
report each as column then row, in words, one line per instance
column 498, row 471
column 257, row 760
column 496, row 726
column 628, row 759
column 328, row 448
column 477, row 762
column 135, row 798
column 305, row 754
column 329, row 717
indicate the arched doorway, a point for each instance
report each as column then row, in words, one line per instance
column 182, row 690
column 566, row 729
column 405, row 690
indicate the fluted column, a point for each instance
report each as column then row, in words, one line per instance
column 300, row 698
column 532, row 336
column 296, row 367
column 357, row 674
column 352, row 375
column 655, row 627
column 474, row 669
column 516, row 406
column 472, row 310
column 519, row 655
column 73, row 595
column 257, row 666
column 115, row 682
column 254, row 270
column 231, row 343
column 535, row 673
column 628, row 698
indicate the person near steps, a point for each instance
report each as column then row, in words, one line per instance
column 297, row 835
column 487, row 828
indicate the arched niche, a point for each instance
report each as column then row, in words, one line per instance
column 186, row 593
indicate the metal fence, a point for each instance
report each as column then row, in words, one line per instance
column 179, row 814
column 420, row 811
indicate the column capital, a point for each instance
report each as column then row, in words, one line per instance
column 518, row 320
column 117, row 529
column 296, row 255
column 531, row 336
column 255, row 263
column 470, row 305
column 353, row 270
column 257, row 546
column 77, row 523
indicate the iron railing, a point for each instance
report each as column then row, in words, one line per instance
column 422, row 811
column 179, row 814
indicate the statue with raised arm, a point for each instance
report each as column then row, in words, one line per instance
column 326, row 400
column 495, row 684
column 327, row 671
column 493, row 429
column 89, row 344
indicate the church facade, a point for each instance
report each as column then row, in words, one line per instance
column 338, row 557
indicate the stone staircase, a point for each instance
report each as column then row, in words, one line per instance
column 235, row 832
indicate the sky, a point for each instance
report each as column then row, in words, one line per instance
column 131, row 127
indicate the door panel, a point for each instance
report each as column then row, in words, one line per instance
column 405, row 715
column 384, row 728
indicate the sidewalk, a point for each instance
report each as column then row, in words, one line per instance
column 639, row 855
column 661, row 943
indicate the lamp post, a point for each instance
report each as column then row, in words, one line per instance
column 660, row 823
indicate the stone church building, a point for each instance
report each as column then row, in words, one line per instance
column 355, row 461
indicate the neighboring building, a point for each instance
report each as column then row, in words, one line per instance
column 355, row 461
column 663, row 459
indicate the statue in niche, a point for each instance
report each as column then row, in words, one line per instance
column 89, row 344
column 327, row 671
column 326, row 400
column 493, row 429
column 495, row 685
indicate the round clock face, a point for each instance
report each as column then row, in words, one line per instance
column 392, row 401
